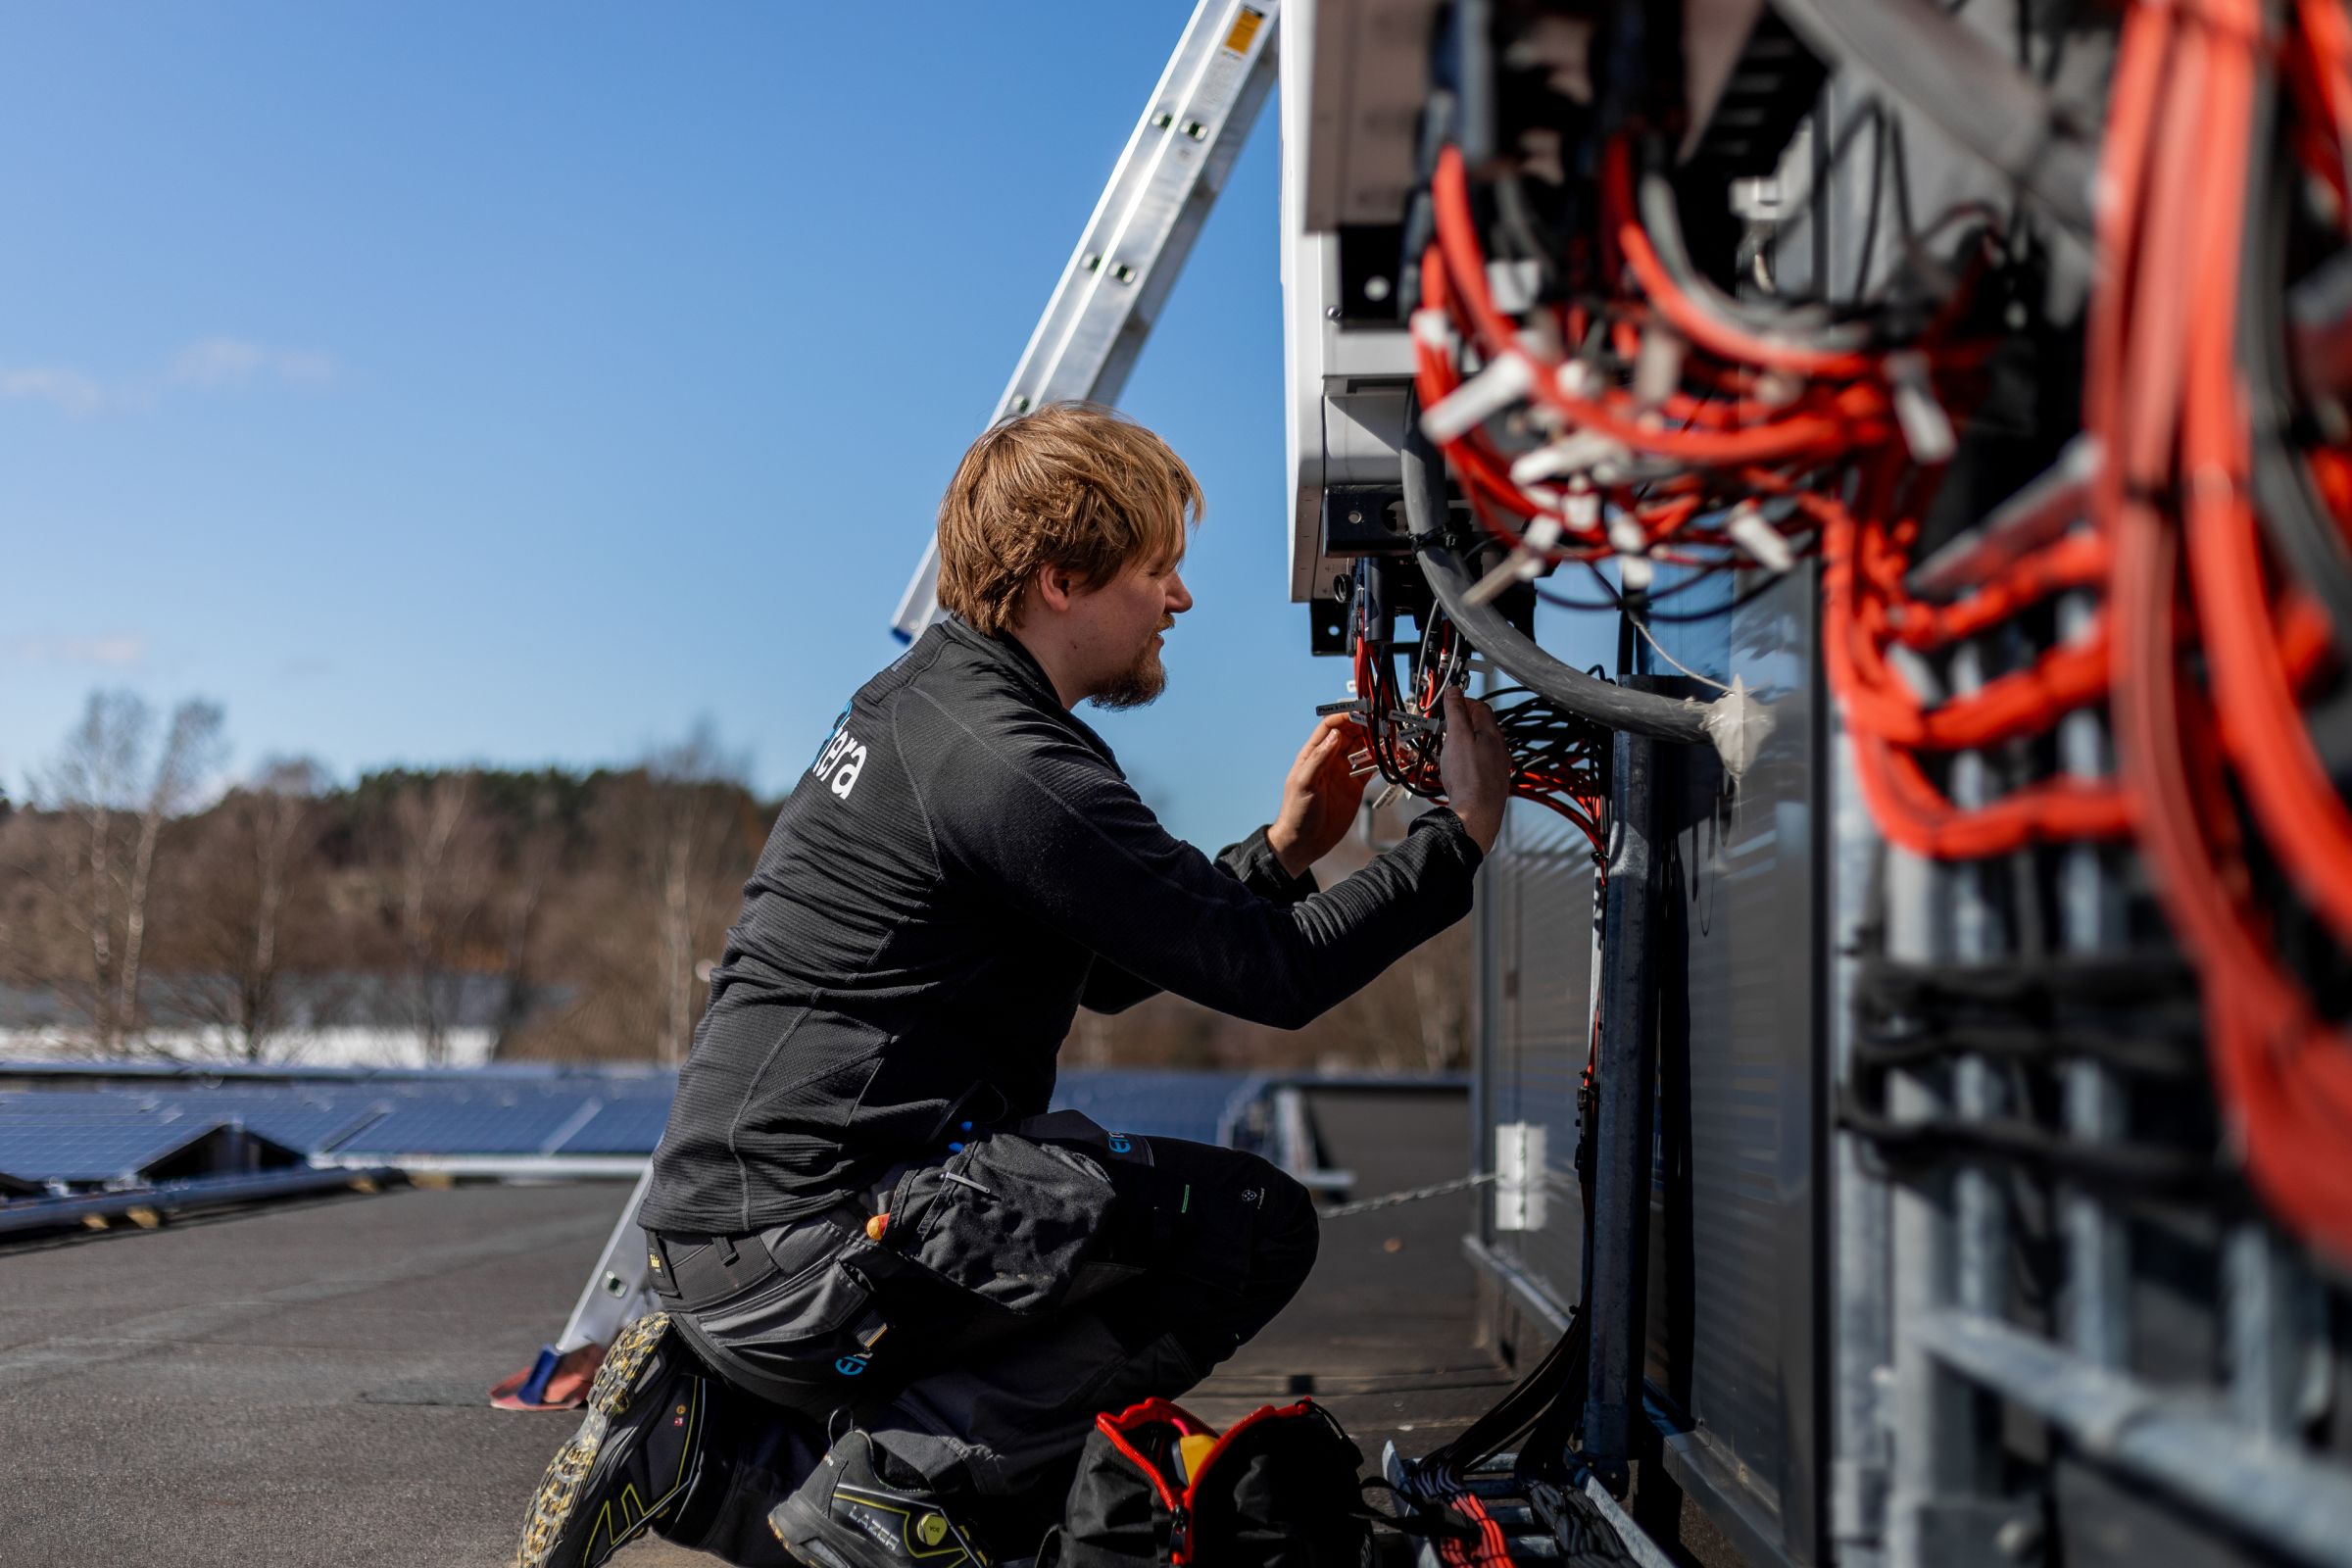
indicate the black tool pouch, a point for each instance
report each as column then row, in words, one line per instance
column 1006, row 1219
column 812, row 1334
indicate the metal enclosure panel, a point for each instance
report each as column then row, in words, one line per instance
column 1744, row 866
column 1367, row 86
column 1736, row 1343
column 1343, row 411
column 1535, row 977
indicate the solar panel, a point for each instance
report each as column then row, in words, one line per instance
column 629, row 1127
column 37, row 1147
column 100, row 1102
column 484, row 1127
column 312, row 1129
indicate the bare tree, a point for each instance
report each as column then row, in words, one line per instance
column 122, row 800
column 539, row 850
column 690, row 855
column 252, row 866
column 439, row 873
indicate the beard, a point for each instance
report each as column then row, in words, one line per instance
column 1136, row 685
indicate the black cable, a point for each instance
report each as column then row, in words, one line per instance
column 1691, row 617
column 1509, row 649
column 2093, row 1166
column 2022, row 982
column 2176, row 1054
column 1935, row 65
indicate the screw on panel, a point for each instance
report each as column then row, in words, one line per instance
column 614, row 1285
column 1196, row 130
column 1020, row 405
column 1163, row 121
column 1123, row 273
column 1093, row 263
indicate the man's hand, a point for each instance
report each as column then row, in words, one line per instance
column 1476, row 766
column 1319, row 798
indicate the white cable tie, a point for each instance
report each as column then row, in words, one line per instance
column 1578, row 380
column 1478, row 400
column 1927, row 428
column 1543, row 531
column 1544, row 463
column 1583, row 507
column 1512, row 285
column 1631, row 545
column 1767, row 545
column 1777, row 389
column 1432, row 330
column 1566, row 457
column 1657, row 367
column 1387, row 797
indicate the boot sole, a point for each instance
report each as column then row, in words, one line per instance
column 803, row 1534
column 567, row 1474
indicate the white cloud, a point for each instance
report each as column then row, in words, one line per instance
column 224, row 361
column 206, row 365
column 70, row 391
column 111, row 651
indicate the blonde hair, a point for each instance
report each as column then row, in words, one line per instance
column 1073, row 485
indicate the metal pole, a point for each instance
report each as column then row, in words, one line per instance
column 1861, row 1323
column 2092, row 915
column 1622, row 1172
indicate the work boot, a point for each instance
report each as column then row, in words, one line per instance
column 845, row 1515
column 635, row 1457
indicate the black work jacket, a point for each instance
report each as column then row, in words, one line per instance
column 962, row 866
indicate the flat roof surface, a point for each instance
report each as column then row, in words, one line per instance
column 304, row 1385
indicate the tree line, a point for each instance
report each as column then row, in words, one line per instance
column 137, row 888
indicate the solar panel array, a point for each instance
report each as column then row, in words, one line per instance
column 87, row 1147
column 109, row 1135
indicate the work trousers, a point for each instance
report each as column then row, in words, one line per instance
column 1033, row 1278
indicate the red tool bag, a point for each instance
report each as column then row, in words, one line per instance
column 1156, row 1485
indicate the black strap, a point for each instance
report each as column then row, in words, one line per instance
column 707, row 1268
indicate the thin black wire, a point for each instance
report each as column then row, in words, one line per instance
column 1618, row 602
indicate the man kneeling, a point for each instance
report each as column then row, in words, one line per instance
column 898, row 1289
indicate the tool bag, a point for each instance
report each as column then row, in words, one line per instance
column 1158, row 1486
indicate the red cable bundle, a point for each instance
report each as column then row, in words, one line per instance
column 2219, row 775
column 2165, row 394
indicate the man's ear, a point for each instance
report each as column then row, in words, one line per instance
column 1057, row 587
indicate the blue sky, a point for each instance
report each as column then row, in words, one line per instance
column 520, row 383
